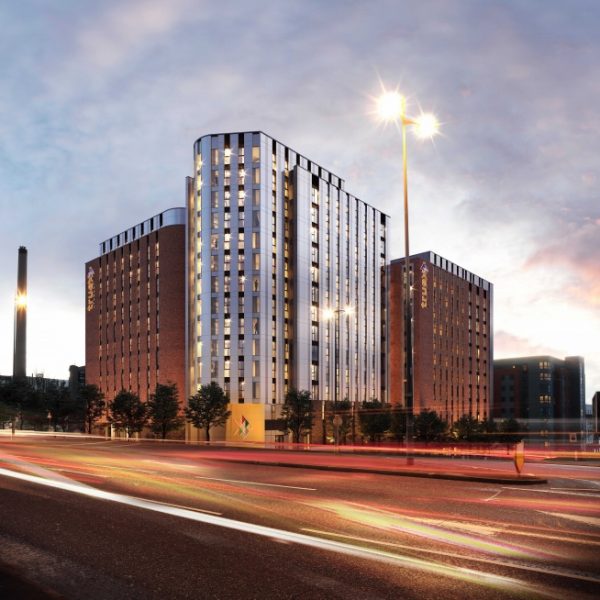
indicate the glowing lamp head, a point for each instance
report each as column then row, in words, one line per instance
column 21, row 300
column 427, row 126
column 328, row 314
column 390, row 106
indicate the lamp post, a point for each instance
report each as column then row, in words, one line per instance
column 335, row 314
column 391, row 107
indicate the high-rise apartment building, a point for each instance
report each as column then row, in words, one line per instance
column 135, row 308
column 547, row 393
column 452, row 339
column 274, row 240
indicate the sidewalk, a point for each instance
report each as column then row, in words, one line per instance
column 437, row 468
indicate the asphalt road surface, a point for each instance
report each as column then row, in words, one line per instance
column 95, row 519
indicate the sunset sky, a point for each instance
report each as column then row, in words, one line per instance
column 100, row 103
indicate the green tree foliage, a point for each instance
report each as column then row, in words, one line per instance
column 398, row 422
column 21, row 402
column 93, row 405
column 128, row 412
column 344, row 409
column 62, row 408
column 208, row 408
column 8, row 411
column 429, row 426
column 297, row 414
column 375, row 419
column 510, row 431
column 467, row 429
column 163, row 409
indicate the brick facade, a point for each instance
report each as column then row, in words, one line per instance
column 452, row 339
column 135, row 314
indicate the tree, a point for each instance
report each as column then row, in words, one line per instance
column 398, row 421
column 128, row 412
column 20, row 399
column 57, row 403
column 297, row 414
column 163, row 409
column 467, row 429
column 208, row 408
column 510, row 431
column 344, row 410
column 429, row 426
column 93, row 405
column 375, row 419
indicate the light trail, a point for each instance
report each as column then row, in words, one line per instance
column 473, row 576
column 420, row 527
column 552, row 491
column 277, row 485
column 556, row 571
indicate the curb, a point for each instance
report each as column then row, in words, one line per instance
column 527, row 480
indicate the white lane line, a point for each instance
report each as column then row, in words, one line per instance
column 474, row 576
column 493, row 496
column 491, row 561
column 551, row 492
column 278, row 485
column 593, row 521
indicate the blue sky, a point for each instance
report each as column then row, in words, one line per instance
column 101, row 102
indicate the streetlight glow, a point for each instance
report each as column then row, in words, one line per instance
column 349, row 309
column 21, row 300
column 328, row 314
column 390, row 106
column 426, row 126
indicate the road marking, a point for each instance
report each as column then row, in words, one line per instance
column 473, row 576
column 594, row 521
column 493, row 496
column 551, row 492
column 279, row 485
column 491, row 561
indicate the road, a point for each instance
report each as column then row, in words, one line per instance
column 97, row 519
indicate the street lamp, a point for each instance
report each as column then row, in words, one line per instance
column 391, row 107
column 330, row 314
column 21, row 301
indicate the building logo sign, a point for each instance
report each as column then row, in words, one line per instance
column 91, row 290
column 243, row 427
column 424, row 296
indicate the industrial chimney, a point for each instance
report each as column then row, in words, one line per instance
column 20, row 353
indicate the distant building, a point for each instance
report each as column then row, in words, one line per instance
column 37, row 381
column 135, row 308
column 452, row 337
column 546, row 392
column 76, row 380
column 596, row 416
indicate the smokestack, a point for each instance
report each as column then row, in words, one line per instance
column 20, row 354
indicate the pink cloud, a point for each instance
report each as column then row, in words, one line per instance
column 507, row 345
